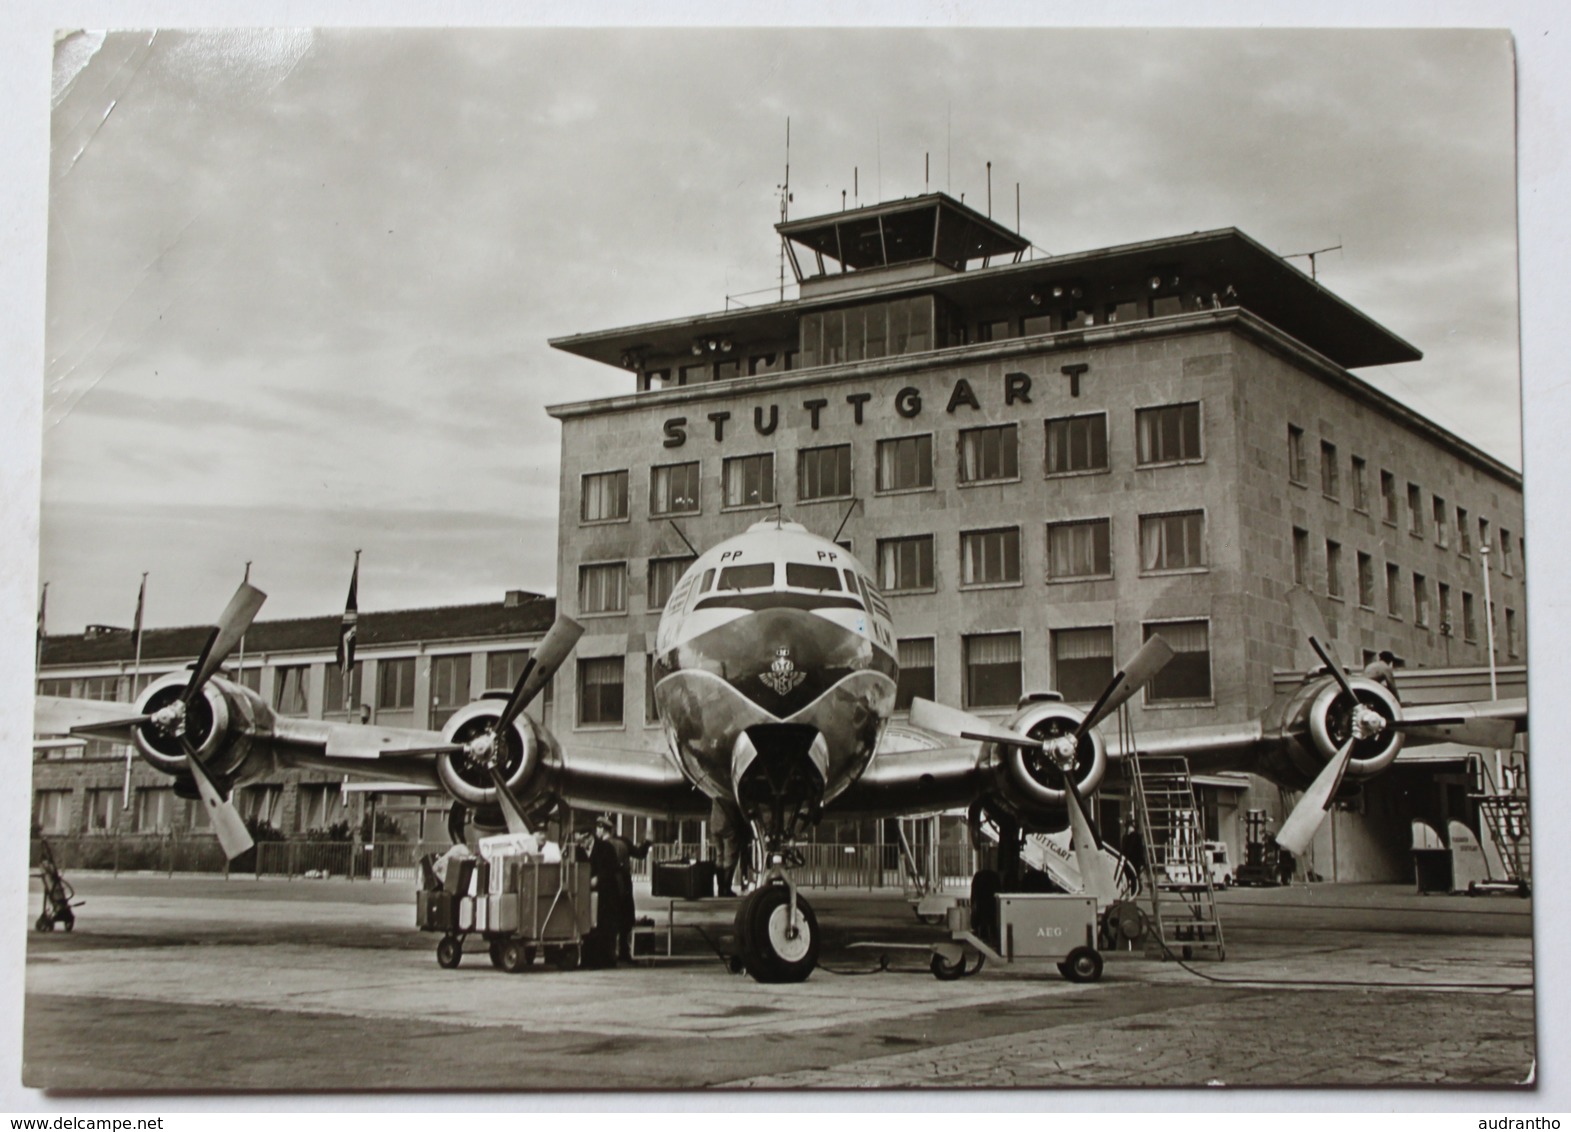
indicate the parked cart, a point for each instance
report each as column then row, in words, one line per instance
column 59, row 896
column 522, row 907
column 1032, row 927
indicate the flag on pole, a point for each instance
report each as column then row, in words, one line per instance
column 43, row 600
column 136, row 623
column 346, row 633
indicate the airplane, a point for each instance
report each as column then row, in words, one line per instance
column 776, row 673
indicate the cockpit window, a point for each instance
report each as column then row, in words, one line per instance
column 709, row 576
column 850, row 580
column 801, row 575
column 758, row 575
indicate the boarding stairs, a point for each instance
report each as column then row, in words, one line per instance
column 1178, row 868
column 1502, row 807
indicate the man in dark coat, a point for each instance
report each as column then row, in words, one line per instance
column 605, row 879
column 626, row 854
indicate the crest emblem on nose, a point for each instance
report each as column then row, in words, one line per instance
column 782, row 676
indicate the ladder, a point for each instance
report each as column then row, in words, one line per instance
column 1178, row 866
column 1503, row 809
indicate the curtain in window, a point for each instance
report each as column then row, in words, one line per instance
column 1184, row 636
column 993, row 648
column 1072, row 550
column 602, row 589
column 1170, row 542
column 1083, row 644
column 916, row 653
column 605, row 496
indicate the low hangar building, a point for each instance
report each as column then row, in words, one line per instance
column 1044, row 461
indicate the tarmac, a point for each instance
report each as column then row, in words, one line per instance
column 180, row 984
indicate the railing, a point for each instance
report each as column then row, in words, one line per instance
column 824, row 866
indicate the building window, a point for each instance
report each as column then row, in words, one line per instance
column 750, row 480
column 108, row 687
column 823, row 473
column 1505, row 552
column 1442, row 528
column 988, row 454
column 449, row 686
column 916, row 671
column 1300, row 557
column 1415, row 510
column 247, row 677
column 992, row 670
column 692, row 375
column 673, row 489
column 604, row 497
column 664, row 573
column 1464, row 537
column 1296, row 470
column 1393, row 589
column 1036, row 324
column 990, row 557
column 1330, row 477
column 1082, row 662
column 1366, row 580
column 651, row 713
column 395, row 684
column 319, row 807
column 101, row 814
column 335, row 702
column 1077, row 444
column 875, row 330
column 1420, row 599
column 1168, row 434
column 502, row 670
column 1511, row 632
column 602, row 588
column 1360, row 485
column 905, row 564
column 1333, row 568
column 1469, row 618
column 1079, row 549
column 1388, row 497
column 155, row 809
column 290, row 682
column 1446, row 627
column 1187, row 677
column 52, row 811
column 905, row 463
column 1483, row 535
column 1172, row 542
column 261, row 803
column 600, row 690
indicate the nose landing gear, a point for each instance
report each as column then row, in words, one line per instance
column 777, row 932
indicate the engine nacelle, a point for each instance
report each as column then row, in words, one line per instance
column 1029, row 782
column 218, row 724
column 468, row 781
column 1319, row 720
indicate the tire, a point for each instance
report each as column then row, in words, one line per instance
column 515, row 956
column 449, row 952
column 495, row 949
column 769, row 954
column 45, row 924
column 68, row 922
column 946, row 972
column 1082, row 965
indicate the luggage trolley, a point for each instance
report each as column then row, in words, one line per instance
column 58, row 895
column 522, row 906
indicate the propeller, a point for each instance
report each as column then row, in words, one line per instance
column 1494, row 734
column 1299, row 828
column 227, row 823
column 489, row 748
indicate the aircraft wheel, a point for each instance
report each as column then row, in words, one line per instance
column 771, row 951
column 946, row 972
column 1083, row 965
column 515, row 956
column 449, row 953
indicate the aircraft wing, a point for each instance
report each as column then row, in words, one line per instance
column 57, row 715
column 915, row 772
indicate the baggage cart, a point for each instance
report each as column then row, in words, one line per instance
column 521, row 906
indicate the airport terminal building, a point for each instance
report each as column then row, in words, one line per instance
column 1043, row 461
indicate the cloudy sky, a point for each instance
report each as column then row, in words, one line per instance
column 300, row 283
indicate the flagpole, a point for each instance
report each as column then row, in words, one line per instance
column 240, row 670
column 136, row 678
column 346, row 638
column 38, row 647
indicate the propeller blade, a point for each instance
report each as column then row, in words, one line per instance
column 1495, row 734
column 227, row 823
column 232, row 624
column 540, row 667
column 1329, row 660
column 114, row 729
column 1299, row 828
column 1151, row 659
column 962, row 724
column 512, row 812
column 1096, row 871
column 1309, row 620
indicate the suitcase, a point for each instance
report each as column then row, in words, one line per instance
column 458, row 876
column 436, row 912
column 683, row 880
